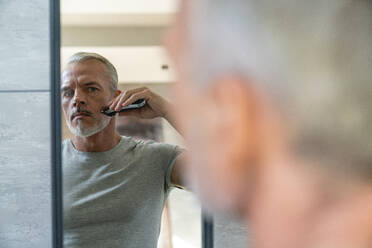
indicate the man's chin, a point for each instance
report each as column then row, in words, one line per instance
column 84, row 134
column 82, row 131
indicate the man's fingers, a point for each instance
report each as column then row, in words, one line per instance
column 117, row 104
column 122, row 97
column 141, row 95
column 115, row 101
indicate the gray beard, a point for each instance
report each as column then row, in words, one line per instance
column 84, row 132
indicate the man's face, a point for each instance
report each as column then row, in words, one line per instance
column 85, row 90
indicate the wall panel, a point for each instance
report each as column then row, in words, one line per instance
column 25, row 140
column 24, row 44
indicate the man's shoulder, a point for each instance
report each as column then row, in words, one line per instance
column 149, row 146
column 132, row 145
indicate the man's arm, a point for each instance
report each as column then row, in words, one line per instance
column 156, row 106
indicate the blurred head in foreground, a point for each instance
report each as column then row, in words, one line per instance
column 275, row 101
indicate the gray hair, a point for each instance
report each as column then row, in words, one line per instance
column 315, row 59
column 84, row 56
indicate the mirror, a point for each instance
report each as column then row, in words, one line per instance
column 112, row 200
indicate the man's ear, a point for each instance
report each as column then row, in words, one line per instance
column 117, row 93
column 238, row 104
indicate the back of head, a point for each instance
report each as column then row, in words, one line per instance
column 313, row 57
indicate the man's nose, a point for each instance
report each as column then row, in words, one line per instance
column 79, row 98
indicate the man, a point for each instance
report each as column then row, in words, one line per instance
column 274, row 99
column 114, row 187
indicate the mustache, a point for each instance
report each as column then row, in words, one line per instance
column 80, row 110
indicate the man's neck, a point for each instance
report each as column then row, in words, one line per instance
column 320, row 212
column 347, row 220
column 105, row 140
column 277, row 211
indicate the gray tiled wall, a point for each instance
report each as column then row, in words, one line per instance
column 25, row 188
column 24, row 44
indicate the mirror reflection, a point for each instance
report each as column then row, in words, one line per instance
column 122, row 154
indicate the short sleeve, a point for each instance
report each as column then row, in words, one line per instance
column 161, row 157
column 176, row 151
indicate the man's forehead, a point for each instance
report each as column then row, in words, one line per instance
column 83, row 71
column 85, row 67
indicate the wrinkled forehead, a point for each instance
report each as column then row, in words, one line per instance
column 80, row 72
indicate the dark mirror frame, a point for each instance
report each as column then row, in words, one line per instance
column 56, row 136
column 207, row 231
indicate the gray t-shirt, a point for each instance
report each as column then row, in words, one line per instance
column 115, row 198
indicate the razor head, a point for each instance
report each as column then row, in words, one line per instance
column 107, row 111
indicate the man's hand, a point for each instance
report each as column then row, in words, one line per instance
column 156, row 106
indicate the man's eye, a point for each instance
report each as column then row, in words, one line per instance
column 92, row 89
column 68, row 93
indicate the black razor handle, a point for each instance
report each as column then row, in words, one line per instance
column 136, row 105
